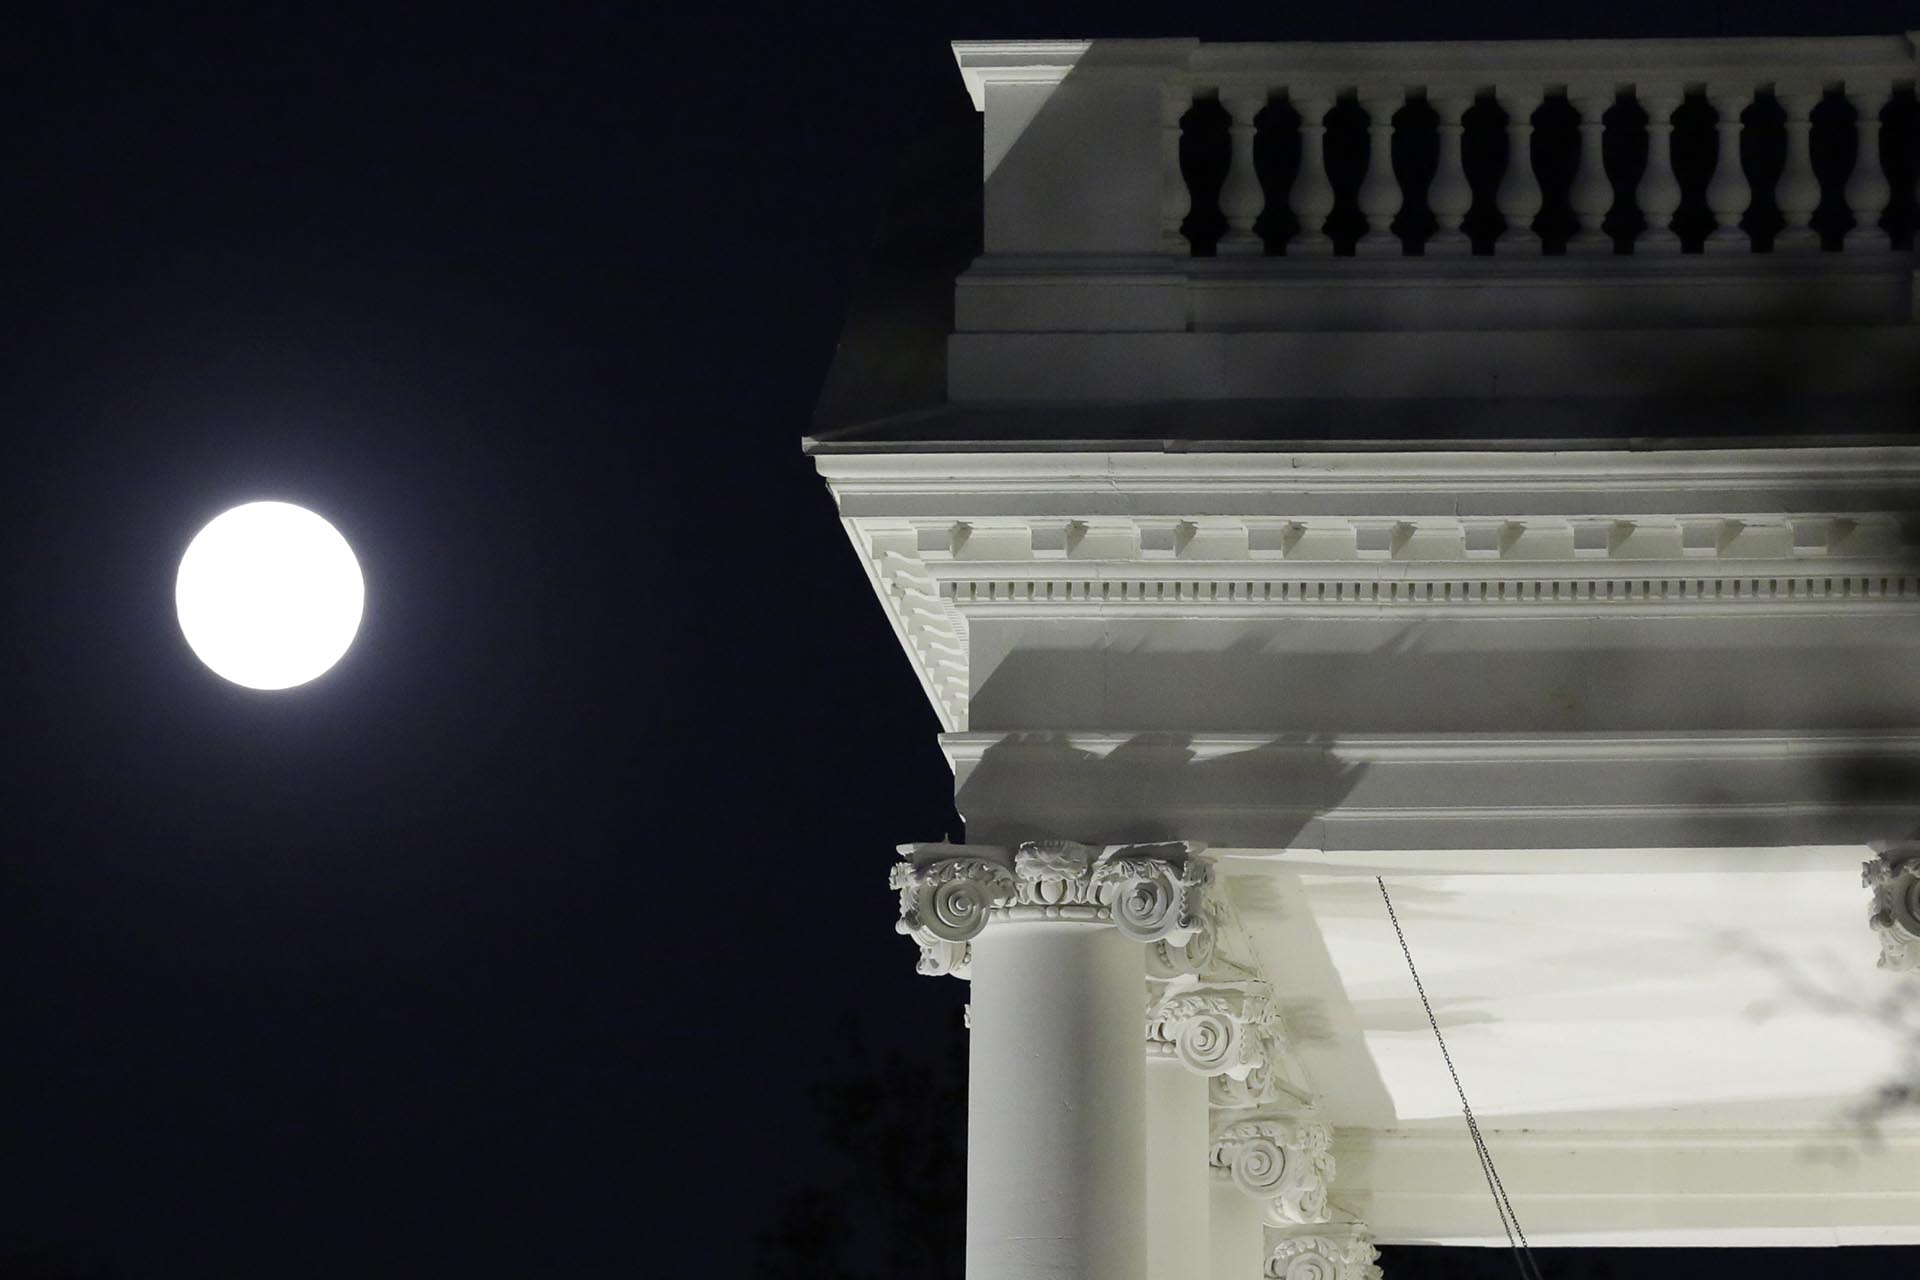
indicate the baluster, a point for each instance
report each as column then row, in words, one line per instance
column 1797, row 193
column 1728, row 193
column 1658, row 192
column 1518, row 197
column 1591, row 194
column 1867, row 188
column 1379, row 195
column 1312, row 195
column 1240, row 197
column 1175, row 200
column 1451, row 196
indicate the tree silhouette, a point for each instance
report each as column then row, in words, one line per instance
column 891, row 1202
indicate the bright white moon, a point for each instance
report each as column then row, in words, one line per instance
column 269, row 595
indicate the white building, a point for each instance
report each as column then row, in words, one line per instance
column 1574, row 595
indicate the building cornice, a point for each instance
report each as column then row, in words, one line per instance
column 950, row 538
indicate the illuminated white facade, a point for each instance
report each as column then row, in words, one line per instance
column 1574, row 594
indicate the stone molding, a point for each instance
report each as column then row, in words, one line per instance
column 1894, row 877
column 1283, row 1160
column 1330, row 1252
column 1152, row 893
column 1338, row 63
column 945, row 537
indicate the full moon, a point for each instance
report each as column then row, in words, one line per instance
column 269, row 595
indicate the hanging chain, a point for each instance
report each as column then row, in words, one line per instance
column 1509, row 1220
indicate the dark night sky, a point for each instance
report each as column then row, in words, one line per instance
column 506, row 948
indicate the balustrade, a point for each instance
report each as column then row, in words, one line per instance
column 1731, row 77
column 1312, row 196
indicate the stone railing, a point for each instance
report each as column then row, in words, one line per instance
column 1506, row 148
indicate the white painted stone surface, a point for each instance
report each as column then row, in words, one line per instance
column 1178, row 1179
column 1056, row 1172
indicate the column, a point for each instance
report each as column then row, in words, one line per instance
column 1177, row 1178
column 1175, row 200
column 1379, row 194
column 1451, row 196
column 1590, row 194
column 1052, row 937
column 1518, row 197
column 1894, row 877
column 1311, row 197
column 1241, row 198
column 1658, row 192
column 1238, row 1238
column 1867, row 188
column 1728, row 193
column 1798, row 190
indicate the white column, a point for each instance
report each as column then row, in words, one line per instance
column 1451, row 196
column 1590, row 194
column 1798, row 190
column 1052, row 936
column 1379, row 194
column 1241, row 198
column 1312, row 195
column 1658, row 192
column 1518, row 196
column 1867, row 188
column 1237, row 1236
column 1056, row 1162
column 1728, row 192
column 1178, row 1177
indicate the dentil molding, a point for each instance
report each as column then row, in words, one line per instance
column 1894, row 877
column 950, row 538
column 1151, row 893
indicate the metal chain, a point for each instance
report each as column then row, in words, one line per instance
column 1509, row 1220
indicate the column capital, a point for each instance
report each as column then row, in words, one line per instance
column 1267, row 1084
column 1894, row 877
column 1152, row 893
column 1336, row 1251
column 1211, row 1028
column 1285, row 1161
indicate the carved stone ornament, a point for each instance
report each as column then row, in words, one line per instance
column 1325, row 1253
column 1266, row 1083
column 1213, row 1029
column 1152, row 893
column 1193, row 956
column 1894, row 878
column 1285, row 1162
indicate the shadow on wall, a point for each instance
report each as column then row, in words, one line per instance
column 1042, row 786
column 1579, row 674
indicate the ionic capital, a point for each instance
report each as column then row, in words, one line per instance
column 1894, row 877
column 1212, row 1028
column 1151, row 893
column 1331, row 1252
column 1285, row 1162
column 1268, row 1082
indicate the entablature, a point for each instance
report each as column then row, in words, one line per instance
column 950, row 540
